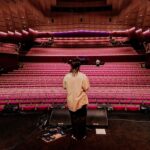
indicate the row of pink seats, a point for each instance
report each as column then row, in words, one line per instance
column 8, row 48
column 93, row 82
column 84, row 68
column 108, row 97
column 119, row 107
column 6, row 78
column 86, row 71
column 30, row 88
column 39, row 107
column 58, row 85
column 129, row 73
column 63, row 101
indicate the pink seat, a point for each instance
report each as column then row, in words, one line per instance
column 43, row 106
column 133, row 107
column 114, row 101
column 1, row 107
column 59, row 101
column 27, row 107
column 102, row 101
column 25, row 33
column 92, row 100
column 13, row 101
column 92, row 106
column 118, row 107
column 3, row 34
column 147, row 102
column 136, row 101
column 3, row 102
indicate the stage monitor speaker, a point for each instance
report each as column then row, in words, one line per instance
column 95, row 118
column 60, row 117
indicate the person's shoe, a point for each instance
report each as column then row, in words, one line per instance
column 73, row 137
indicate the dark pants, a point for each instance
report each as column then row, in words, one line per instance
column 78, row 120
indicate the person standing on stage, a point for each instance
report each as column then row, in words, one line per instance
column 76, row 83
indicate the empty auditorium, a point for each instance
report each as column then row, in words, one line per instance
column 74, row 74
